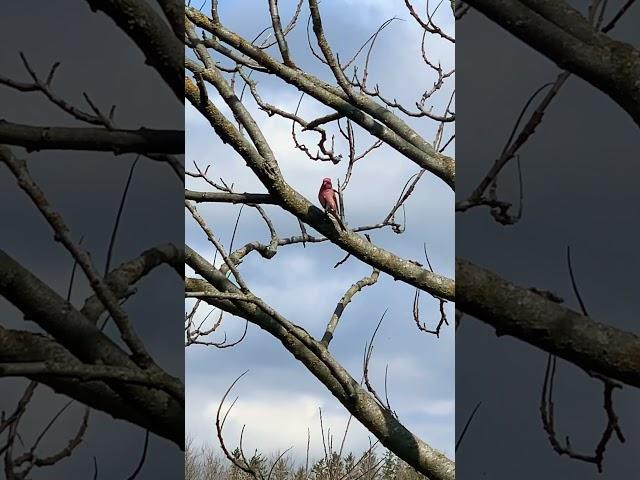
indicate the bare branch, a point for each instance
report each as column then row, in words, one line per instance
column 144, row 141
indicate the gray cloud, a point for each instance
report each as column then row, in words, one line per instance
column 85, row 188
column 578, row 171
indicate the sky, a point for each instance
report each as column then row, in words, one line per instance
column 580, row 189
column 278, row 398
column 579, row 172
column 85, row 188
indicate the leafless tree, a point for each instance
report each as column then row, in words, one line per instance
column 224, row 71
column 580, row 45
column 65, row 345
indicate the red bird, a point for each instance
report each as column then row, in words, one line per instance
column 328, row 200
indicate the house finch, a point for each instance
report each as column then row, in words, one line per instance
column 328, row 200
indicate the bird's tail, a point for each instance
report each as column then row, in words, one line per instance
column 339, row 220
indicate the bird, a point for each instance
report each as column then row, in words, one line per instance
column 328, row 200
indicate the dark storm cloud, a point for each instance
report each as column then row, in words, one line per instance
column 579, row 189
column 96, row 58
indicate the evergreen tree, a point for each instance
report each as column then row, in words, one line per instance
column 235, row 473
column 300, row 474
column 258, row 463
column 349, row 466
column 319, row 470
column 280, row 469
column 336, row 466
column 389, row 466
column 367, row 466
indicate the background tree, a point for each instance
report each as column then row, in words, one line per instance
column 531, row 285
column 206, row 463
column 89, row 136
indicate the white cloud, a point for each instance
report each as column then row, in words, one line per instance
column 273, row 420
column 438, row 408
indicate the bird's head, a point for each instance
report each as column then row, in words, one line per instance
column 326, row 183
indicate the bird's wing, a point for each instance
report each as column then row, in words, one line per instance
column 335, row 201
column 323, row 201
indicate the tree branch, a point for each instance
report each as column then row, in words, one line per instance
column 562, row 34
column 224, row 197
column 317, row 359
column 374, row 118
column 530, row 317
column 76, row 334
column 143, row 141
column 262, row 161
column 20, row 346
column 162, row 49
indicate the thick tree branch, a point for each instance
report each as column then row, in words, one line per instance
column 39, row 303
column 532, row 318
column 261, row 160
column 226, row 197
column 317, row 359
column 562, row 34
column 174, row 11
column 121, row 279
column 143, row 141
column 20, row 346
column 374, row 118
column 83, row 372
column 160, row 46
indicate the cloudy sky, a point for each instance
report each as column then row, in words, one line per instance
column 278, row 398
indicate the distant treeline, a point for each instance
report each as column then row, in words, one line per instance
column 208, row 464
